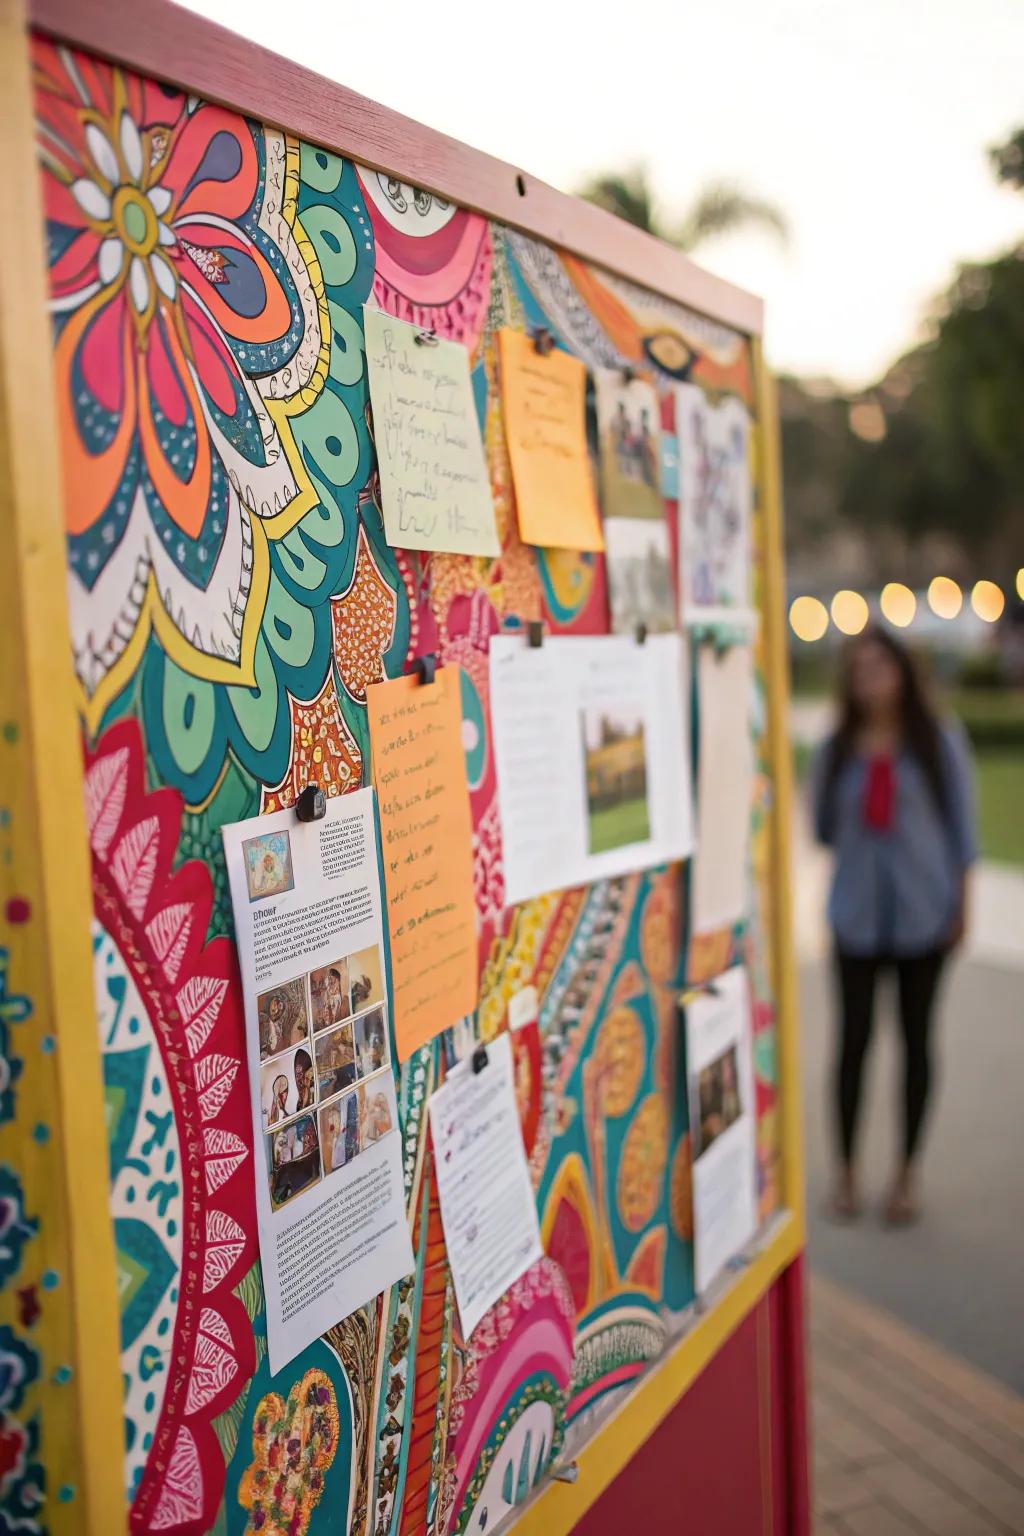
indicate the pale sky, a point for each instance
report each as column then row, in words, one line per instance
column 866, row 121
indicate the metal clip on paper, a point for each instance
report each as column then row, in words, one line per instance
column 535, row 634
column 478, row 1060
column 426, row 338
column 568, row 1472
column 640, row 633
column 543, row 341
column 627, row 373
column 425, row 668
column 311, row 804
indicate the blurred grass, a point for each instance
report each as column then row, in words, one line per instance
column 1000, row 785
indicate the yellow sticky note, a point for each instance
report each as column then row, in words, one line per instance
column 426, row 831
column 544, row 403
column 435, row 487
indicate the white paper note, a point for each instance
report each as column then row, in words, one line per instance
column 434, row 482
column 725, row 786
column 328, row 1152
column 487, row 1206
column 591, row 750
column 722, row 1124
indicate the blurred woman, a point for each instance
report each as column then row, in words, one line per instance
column 893, row 797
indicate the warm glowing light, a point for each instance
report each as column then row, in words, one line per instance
column 1020, row 583
column 849, row 612
column 808, row 618
column 988, row 601
column 944, row 597
column 898, row 604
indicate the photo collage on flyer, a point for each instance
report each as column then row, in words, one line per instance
column 324, row 1091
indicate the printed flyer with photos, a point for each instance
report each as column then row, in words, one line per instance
column 308, row 917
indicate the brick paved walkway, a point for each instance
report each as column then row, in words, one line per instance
column 908, row 1440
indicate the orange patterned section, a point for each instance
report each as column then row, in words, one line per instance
column 324, row 751
column 646, row 1265
column 427, row 1378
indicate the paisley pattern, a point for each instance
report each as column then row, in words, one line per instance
column 232, row 598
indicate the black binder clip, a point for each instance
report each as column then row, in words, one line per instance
column 426, row 338
column 640, row 633
column 311, row 804
column 535, row 634
column 543, row 341
column 425, row 668
column 478, row 1060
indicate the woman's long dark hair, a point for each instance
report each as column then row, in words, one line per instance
column 921, row 732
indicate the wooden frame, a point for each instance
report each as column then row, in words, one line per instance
column 156, row 38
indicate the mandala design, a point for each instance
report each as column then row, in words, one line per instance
column 620, row 1055
column 642, row 1169
column 293, row 1443
column 186, row 313
column 680, row 1191
column 15, row 1008
column 324, row 751
column 364, row 624
column 433, row 259
column 499, row 1384
column 179, row 1129
column 21, row 1474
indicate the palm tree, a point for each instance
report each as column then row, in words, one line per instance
column 719, row 208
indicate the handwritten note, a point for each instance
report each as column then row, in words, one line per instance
column 419, row 769
column 543, row 399
column 488, row 1210
column 433, row 475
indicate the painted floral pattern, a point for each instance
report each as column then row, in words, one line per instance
column 182, row 309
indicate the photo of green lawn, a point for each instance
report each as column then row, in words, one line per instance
column 616, row 770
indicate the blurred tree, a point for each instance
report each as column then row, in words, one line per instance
column 718, row 209
column 947, row 458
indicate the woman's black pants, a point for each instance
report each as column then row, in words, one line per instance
column 917, row 979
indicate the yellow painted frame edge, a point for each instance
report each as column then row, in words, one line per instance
column 558, row 1506
column 787, row 1024
column 33, row 503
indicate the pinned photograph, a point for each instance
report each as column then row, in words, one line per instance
column 616, row 768
column 293, row 1157
column 375, row 1112
column 328, row 992
column 371, row 1042
column 286, row 1086
column 339, row 1133
column 718, row 1099
column 366, row 979
column 629, row 431
column 282, row 1017
column 639, row 562
column 268, row 865
column 335, row 1060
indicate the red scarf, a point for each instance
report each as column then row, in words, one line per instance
column 879, row 793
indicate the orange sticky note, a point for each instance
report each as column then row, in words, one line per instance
column 543, row 399
column 426, row 830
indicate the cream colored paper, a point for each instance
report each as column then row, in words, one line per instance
column 720, row 1077
column 433, row 473
column 725, row 774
